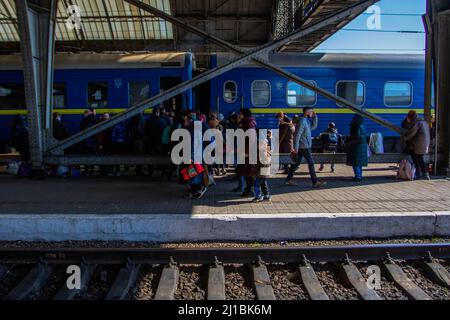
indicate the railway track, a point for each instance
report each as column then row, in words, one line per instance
column 416, row 272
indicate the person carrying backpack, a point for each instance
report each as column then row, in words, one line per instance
column 330, row 139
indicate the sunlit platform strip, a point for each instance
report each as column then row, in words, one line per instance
column 243, row 227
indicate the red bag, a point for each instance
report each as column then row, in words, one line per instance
column 191, row 171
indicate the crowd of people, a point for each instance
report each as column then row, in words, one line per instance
column 152, row 135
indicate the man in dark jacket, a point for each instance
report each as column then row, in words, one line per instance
column 19, row 137
column 60, row 131
column 154, row 130
column 136, row 136
column 89, row 146
column 302, row 147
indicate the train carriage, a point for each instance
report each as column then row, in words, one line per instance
column 387, row 85
column 108, row 82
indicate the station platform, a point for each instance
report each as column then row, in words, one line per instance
column 150, row 209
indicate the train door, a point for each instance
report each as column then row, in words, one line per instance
column 202, row 98
column 177, row 103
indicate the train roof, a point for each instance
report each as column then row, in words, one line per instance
column 338, row 60
column 88, row 60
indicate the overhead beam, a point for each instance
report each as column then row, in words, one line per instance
column 210, row 74
column 220, row 5
column 111, row 30
column 267, row 65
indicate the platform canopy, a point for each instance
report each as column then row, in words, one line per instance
column 115, row 25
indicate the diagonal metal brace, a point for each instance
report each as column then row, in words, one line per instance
column 226, row 45
column 245, row 58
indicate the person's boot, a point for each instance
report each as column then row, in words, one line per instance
column 319, row 184
column 248, row 193
column 426, row 176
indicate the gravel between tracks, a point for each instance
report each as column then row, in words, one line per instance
column 238, row 283
column 11, row 279
column 146, row 284
column 415, row 272
column 55, row 281
column 388, row 289
column 192, row 284
column 286, row 282
column 100, row 283
column 330, row 281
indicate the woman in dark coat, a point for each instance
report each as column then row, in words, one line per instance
column 286, row 132
column 248, row 171
column 357, row 147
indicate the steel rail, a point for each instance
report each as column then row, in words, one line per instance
column 206, row 76
column 226, row 255
column 226, row 45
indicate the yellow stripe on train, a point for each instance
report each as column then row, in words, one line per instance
column 332, row 110
column 254, row 110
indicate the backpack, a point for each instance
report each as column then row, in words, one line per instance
column 333, row 138
column 331, row 141
column 119, row 134
column 406, row 170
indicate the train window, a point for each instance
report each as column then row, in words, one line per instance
column 12, row 96
column 298, row 95
column 97, row 94
column 59, row 95
column 398, row 94
column 230, row 92
column 138, row 91
column 353, row 91
column 261, row 93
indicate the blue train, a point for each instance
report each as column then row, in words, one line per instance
column 388, row 85
column 108, row 82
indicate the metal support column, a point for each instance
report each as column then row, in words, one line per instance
column 36, row 30
column 428, row 64
column 439, row 13
column 245, row 58
column 443, row 98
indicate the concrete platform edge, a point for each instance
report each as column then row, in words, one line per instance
column 250, row 227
